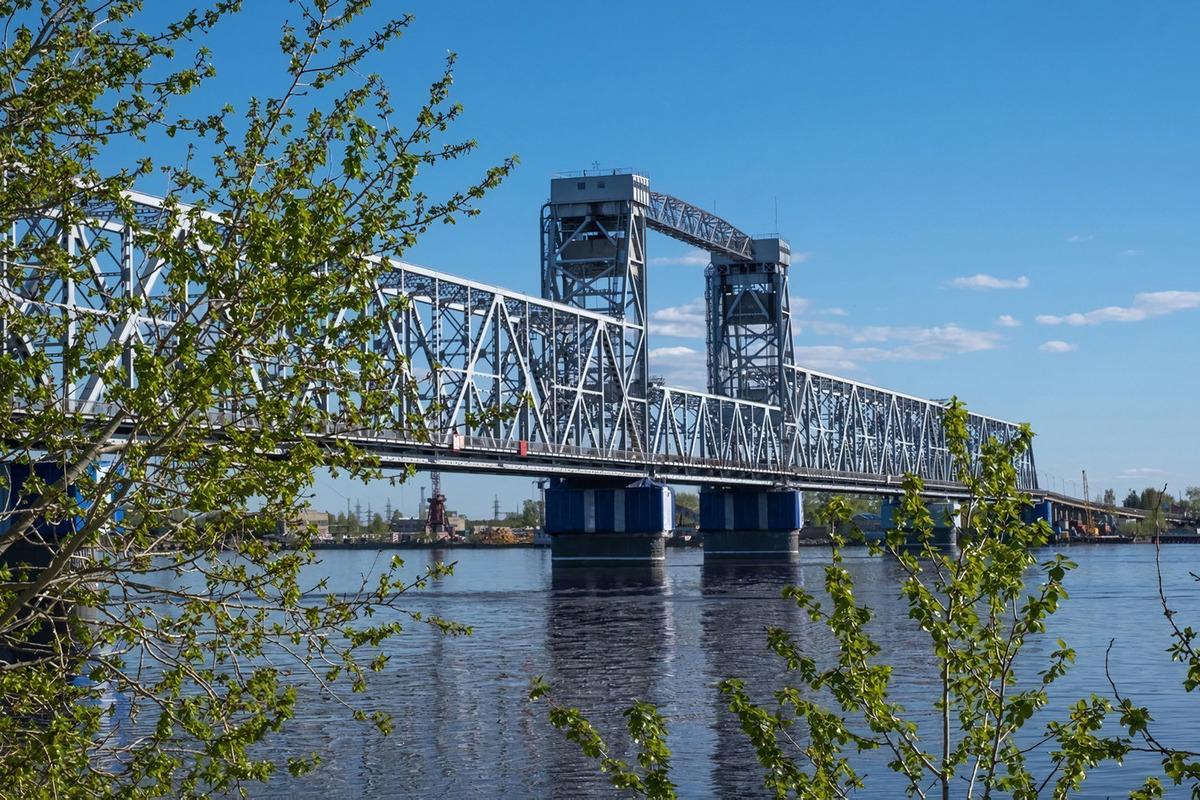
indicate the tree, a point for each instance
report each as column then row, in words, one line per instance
column 977, row 607
column 1110, row 498
column 218, row 382
column 688, row 500
column 377, row 527
column 1193, row 500
column 1132, row 500
column 530, row 515
column 1152, row 499
column 816, row 502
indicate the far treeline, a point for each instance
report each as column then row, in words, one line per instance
column 1150, row 499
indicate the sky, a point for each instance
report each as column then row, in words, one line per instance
column 997, row 201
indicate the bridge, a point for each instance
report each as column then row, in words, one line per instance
column 572, row 364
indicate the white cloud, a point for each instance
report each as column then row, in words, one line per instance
column 1141, row 472
column 1131, row 253
column 830, row 358
column 911, row 344
column 1079, row 238
column 696, row 258
column 874, row 343
column 686, row 321
column 681, row 367
column 983, row 283
column 803, row 306
column 677, row 350
column 1145, row 306
column 1008, row 321
column 931, row 343
column 800, row 258
column 1056, row 346
column 825, row 328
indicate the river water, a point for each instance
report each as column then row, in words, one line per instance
column 604, row 638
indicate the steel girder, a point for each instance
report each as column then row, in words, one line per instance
column 78, row 307
column 697, row 227
column 473, row 348
column 856, row 428
column 461, row 348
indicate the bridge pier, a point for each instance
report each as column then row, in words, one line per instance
column 28, row 556
column 597, row 524
column 740, row 524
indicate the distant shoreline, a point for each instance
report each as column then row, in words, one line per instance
column 417, row 545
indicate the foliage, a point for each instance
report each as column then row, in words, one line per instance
column 816, row 504
column 217, row 384
column 1148, row 499
column 688, row 500
column 341, row 524
column 647, row 730
column 1180, row 764
column 530, row 516
column 977, row 606
column 1191, row 500
column 1154, row 499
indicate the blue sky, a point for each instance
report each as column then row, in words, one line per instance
column 994, row 200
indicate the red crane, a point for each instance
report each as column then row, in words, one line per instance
column 435, row 520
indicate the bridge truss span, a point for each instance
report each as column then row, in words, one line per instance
column 511, row 383
column 697, row 227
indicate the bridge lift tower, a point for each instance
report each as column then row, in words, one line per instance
column 750, row 324
column 594, row 258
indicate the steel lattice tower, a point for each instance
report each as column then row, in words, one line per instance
column 594, row 258
column 750, row 324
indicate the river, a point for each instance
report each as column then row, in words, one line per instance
column 603, row 638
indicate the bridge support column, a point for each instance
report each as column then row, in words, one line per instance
column 28, row 556
column 739, row 524
column 606, row 525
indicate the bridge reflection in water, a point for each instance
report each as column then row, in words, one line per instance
column 668, row 635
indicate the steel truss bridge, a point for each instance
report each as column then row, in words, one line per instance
column 573, row 363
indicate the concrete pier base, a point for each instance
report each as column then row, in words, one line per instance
column 751, row 545
column 606, row 549
column 938, row 537
column 608, row 526
column 751, row 525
